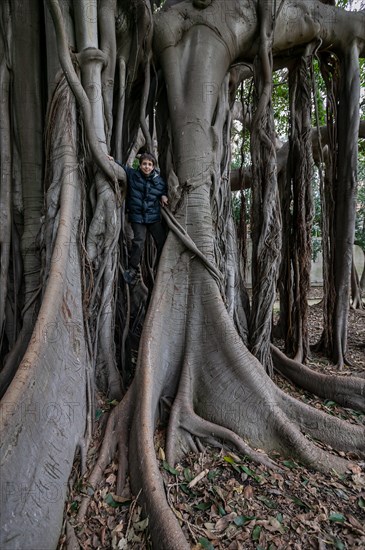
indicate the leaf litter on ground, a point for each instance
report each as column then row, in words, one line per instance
column 235, row 503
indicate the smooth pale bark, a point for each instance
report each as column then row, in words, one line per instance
column 105, row 225
column 222, row 389
column 43, row 413
column 191, row 351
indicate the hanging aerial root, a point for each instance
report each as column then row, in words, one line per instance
column 116, row 434
column 185, row 238
column 6, row 193
column 346, row 391
column 114, row 172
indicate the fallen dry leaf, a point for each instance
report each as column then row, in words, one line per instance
column 231, row 498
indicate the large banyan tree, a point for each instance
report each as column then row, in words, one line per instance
column 83, row 78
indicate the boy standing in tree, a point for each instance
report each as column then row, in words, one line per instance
column 146, row 192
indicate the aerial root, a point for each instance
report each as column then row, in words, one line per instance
column 14, row 357
column 124, row 418
column 115, row 434
column 346, row 391
column 184, row 237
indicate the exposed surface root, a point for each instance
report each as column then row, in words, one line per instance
column 156, row 351
column 285, row 417
column 194, row 425
column 223, row 392
column 185, row 422
column 71, row 539
column 292, row 439
column 330, row 430
column 349, row 392
column 115, row 435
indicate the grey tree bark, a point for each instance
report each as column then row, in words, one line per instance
column 194, row 347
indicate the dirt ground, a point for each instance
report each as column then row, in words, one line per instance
column 224, row 501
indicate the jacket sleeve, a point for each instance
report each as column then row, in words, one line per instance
column 125, row 168
column 164, row 189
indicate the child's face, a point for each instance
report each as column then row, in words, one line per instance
column 146, row 166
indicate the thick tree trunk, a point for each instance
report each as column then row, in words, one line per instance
column 44, row 411
column 302, row 173
column 266, row 219
column 192, row 351
column 26, row 140
column 345, row 196
column 6, row 187
column 208, row 364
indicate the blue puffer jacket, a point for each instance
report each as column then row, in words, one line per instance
column 143, row 195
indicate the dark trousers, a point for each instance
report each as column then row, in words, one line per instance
column 158, row 233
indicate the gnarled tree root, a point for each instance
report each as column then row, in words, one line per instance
column 222, row 392
column 346, row 391
column 184, row 423
column 194, row 425
column 116, row 435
